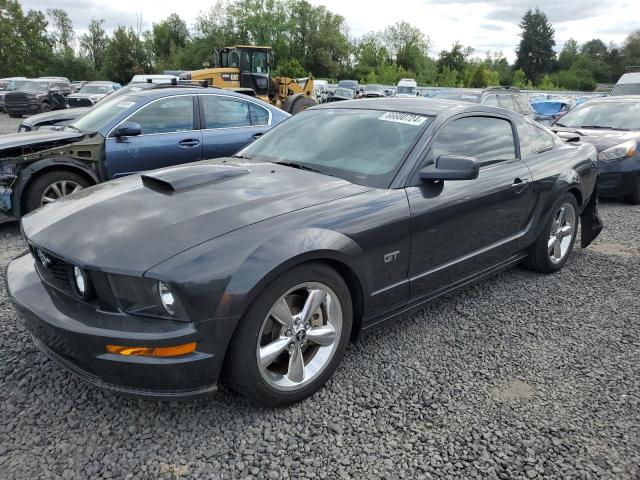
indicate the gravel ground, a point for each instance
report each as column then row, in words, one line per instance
column 522, row 376
column 8, row 124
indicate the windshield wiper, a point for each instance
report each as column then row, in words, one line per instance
column 244, row 157
column 299, row 166
column 559, row 125
column 600, row 127
column 74, row 127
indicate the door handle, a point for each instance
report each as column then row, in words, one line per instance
column 189, row 142
column 256, row 136
column 519, row 185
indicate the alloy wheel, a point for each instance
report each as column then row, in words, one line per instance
column 59, row 189
column 562, row 231
column 299, row 336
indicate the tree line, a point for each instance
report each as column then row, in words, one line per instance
column 306, row 39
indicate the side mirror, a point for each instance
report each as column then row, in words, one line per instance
column 127, row 129
column 451, row 168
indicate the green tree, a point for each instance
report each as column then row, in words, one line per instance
column 63, row 35
column 456, row 59
column 568, row 55
column 167, row 38
column 407, row 46
column 125, row 55
column 448, row 77
column 519, row 79
column 535, row 54
column 631, row 49
column 94, row 43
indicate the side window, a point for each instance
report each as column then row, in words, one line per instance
column 488, row 139
column 259, row 115
column 491, row 100
column 523, row 106
column 225, row 112
column 534, row 140
column 506, row 101
column 167, row 115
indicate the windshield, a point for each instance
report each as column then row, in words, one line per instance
column 613, row 115
column 626, row 89
column 352, row 84
column 406, row 90
column 97, row 89
column 343, row 92
column 369, row 88
column 28, row 85
column 366, row 147
column 463, row 96
column 105, row 111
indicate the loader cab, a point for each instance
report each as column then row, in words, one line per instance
column 253, row 65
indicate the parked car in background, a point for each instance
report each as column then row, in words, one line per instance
column 373, row 90
column 91, row 93
column 126, row 134
column 8, row 84
column 321, row 90
column 76, row 86
column 503, row 97
column 341, row 94
column 407, row 87
column 155, row 78
column 27, row 97
column 628, row 84
column 612, row 125
column 551, row 108
column 350, row 84
column 60, row 118
column 61, row 82
column 260, row 269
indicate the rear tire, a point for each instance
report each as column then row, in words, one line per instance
column 50, row 183
column 278, row 363
column 301, row 104
column 634, row 197
column 552, row 248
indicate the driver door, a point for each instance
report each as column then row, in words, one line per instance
column 462, row 227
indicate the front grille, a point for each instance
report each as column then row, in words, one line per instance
column 78, row 102
column 15, row 97
column 53, row 270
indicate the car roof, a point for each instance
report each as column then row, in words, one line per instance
column 420, row 106
column 156, row 92
column 615, row 98
column 633, row 77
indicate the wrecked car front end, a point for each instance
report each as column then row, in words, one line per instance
column 7, row 179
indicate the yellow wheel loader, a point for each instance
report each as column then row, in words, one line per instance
column 245, row 69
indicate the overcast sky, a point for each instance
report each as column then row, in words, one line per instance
column 488, row 25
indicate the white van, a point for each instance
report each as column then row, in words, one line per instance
column 628, row 84
column 407, row 87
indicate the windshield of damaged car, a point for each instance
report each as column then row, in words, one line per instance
column 372, row 87
column 366, row 147
column 95, row 89
column 612, row 115
column 406, row 90
column 104, row 112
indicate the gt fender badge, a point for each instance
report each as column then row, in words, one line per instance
column 390, row 257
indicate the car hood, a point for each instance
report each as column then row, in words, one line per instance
column 132, row 224
column 601, row 139
column 37, row 138
column 55, row 116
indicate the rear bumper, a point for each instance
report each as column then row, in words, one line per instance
column 75, row 335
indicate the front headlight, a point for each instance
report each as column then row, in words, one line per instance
column 623, row 150
column 147, row 297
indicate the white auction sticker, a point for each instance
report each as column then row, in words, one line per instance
column 406, row 118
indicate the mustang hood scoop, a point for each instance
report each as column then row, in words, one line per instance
column 171, row 180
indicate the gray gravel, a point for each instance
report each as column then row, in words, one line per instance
column 8, row 124
column 522, row 376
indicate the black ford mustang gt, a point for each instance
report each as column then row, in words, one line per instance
column 260, row 268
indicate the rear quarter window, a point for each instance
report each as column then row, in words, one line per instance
column 534, row 140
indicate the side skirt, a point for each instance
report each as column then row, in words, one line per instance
column 416, row 305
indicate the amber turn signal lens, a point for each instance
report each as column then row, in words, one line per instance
column 153, row 351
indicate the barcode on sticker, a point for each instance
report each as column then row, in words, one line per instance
column 406, row 118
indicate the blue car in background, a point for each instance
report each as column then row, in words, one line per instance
column 130, row 133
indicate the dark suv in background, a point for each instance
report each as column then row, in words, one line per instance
column 27, row 97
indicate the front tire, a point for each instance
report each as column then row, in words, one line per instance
column 51, row 186
column 45, row 107
column 552, row 248
column 292, row 337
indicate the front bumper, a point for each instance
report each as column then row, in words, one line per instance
column 21, row 108
column 617, row 178
column 75, row 335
